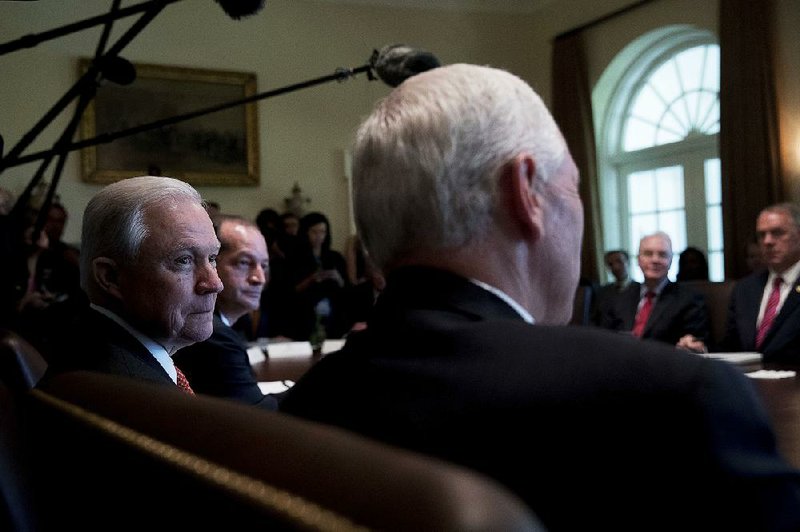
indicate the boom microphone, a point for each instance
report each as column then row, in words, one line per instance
column 237, row 9
column 394, row 63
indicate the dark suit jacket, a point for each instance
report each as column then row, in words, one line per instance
column 594, row 430
column 220, row 366
column 679, row 310
column 782, row 343
column 97, row 343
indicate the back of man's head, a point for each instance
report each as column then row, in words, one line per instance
column 426, row 161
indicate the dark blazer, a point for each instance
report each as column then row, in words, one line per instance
column 679, row 310
column 782, row 343
column 97, row 343
column 594, row 430
column 220, row 366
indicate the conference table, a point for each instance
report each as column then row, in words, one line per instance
column 780, row 396
column 782, row 399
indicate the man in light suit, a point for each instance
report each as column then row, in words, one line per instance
column 677, row 310
column 148, row 266
column 466, row 195
column 220, row 365
column 778, row 233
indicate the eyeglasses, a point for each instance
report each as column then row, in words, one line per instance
column 648, row 253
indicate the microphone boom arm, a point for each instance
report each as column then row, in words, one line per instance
column 341, row 74
column 31, row 40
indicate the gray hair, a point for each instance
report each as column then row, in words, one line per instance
column 658, row 234
column 113, row 222
column 220, row 219
column 426, row 160
column 789, row 208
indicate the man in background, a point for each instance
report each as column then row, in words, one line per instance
column 764, row 310
column 148, row 266
column 617, row 261
column 657, row 309
column 54, row 226
column 220, row 366
column 466, row 196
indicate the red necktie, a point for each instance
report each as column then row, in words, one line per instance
column 644, row 313
column 183, row 383
column 769, row 312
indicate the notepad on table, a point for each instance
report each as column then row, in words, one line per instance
column 289, row 349
column 737, row 357
column 256, row 354
column 329, row 346
column 275, row 386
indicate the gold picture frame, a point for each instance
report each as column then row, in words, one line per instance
column 219, row 148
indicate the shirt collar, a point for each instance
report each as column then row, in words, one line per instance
column 789, row 276
column 524, row 314
column 657, row 290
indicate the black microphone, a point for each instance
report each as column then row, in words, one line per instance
column 394, row 63
column 237, row 9
column 117, row 70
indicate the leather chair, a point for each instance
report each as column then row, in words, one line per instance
column 717, row 296
column 582, row 305
column 21, row 364
column 114, row 452
column 21, row 367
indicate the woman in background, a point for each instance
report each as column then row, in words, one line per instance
column 319, row 276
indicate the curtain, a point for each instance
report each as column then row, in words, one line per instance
column 572, row 109
column 748, row 146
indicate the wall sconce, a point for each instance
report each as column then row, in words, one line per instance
column 297, row 201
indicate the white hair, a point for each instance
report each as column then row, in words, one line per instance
column 113, row 222
column 426, row 160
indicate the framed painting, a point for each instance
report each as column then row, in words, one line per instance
column 219, row 148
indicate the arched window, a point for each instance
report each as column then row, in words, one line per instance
column 657, row 139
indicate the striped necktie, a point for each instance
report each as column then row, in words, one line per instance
column 644, row 313
column 769, row 312
column 183, row 382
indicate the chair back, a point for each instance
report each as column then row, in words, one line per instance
column 582, row 305
column 114, row 451
column 21, row 364
column 717, row 296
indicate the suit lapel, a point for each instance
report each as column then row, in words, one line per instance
column 661, row 304
column 787, row 312
column 749, row 310
column 630, row 305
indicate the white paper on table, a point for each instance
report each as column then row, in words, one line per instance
column 289, row 349
column 275, row 386
column 736, row 357
column 329, row 346
column 771, row 374
column 256, row 354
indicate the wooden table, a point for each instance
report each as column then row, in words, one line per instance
column 281, row 369
column 782, row 399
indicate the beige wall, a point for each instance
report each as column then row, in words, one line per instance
column 304, row 134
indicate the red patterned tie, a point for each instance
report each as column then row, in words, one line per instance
column 644, row 313
column 769, row 312
column 183, row 383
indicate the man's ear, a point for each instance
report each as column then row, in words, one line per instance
column 106, row 275
column 526, row 204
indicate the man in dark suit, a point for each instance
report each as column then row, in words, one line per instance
column 764, row 309
column 657, row 309
column 618, row 262
column 466, row 195
column 220, row 366
column 148, row 253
